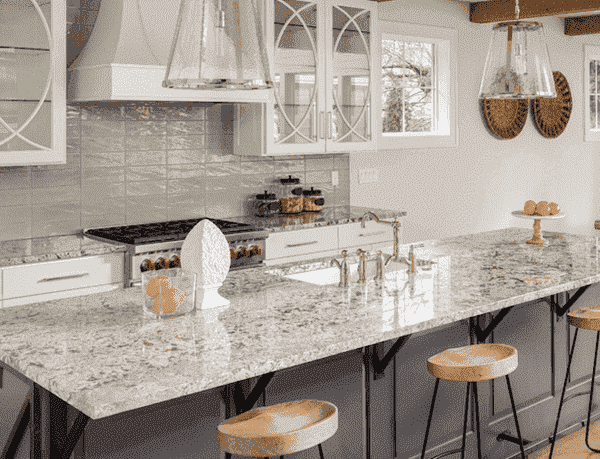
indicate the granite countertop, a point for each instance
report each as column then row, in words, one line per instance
column 327, row 217
column 102, row 355
column 39, row 249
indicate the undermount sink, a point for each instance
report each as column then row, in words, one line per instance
column 330, row 276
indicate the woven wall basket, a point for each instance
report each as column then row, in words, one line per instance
column 552, row 115
column 506, row 117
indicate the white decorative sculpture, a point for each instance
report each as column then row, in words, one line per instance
column 205, row 252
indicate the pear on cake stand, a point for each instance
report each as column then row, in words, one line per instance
column 205, row 251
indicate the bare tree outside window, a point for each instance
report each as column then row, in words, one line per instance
column 408, row 86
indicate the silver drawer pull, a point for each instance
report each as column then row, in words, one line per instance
column 72, row 276
column 303, row 243
column 377, row 233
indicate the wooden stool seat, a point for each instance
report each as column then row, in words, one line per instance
column 279, row 429
column 478, row 362
column 586, row 318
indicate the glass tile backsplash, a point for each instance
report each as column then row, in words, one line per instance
column 141, row 162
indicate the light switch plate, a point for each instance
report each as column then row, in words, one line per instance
column 367, row 176
column 335, row 179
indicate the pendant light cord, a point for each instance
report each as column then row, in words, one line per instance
column 517, row 10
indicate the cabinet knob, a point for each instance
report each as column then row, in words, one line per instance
column 256, row 250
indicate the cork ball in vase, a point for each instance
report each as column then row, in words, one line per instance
column 205, row 252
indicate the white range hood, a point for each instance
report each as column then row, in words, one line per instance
column 127, row 53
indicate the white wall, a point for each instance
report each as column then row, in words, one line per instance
column 475, row 186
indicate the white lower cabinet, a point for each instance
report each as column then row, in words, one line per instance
column 32, row 283
column 368, row 238
column 301, row 245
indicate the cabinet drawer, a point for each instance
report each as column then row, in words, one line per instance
column 55, row 276
column 352, row 235
column 301, row 242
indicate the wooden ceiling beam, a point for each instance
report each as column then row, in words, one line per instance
column 504, row 10
column 582, row 25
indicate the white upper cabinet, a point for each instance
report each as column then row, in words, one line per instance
column 32, row 82
column 322, row 54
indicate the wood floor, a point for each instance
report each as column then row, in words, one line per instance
column 573, row 446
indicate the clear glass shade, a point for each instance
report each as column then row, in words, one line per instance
column 517, row 64
column 218, row 44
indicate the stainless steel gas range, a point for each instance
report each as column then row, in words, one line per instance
column 153, row 246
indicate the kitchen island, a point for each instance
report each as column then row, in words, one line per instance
column 152, row 392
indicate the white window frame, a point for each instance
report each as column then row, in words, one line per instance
column 446, row 45
column 590, row 52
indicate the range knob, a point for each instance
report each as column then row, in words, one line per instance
column 234, row 254
column 256, row 250
column 162, row 263
column 175, row 261
column 244, row 252
column 147, row 265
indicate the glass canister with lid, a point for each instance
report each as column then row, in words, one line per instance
column 313, row 200
column 290, row 200
column 265, row 205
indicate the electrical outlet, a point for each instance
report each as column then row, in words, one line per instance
column 335, row 179
column 367, row 176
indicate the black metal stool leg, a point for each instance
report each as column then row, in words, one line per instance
column 464, row 439
column 437, row 383
column 321, row 451
column 587, row 427
column 562, row 397
column 477, row 417
column 512, row 402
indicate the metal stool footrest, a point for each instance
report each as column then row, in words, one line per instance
column 510, row 438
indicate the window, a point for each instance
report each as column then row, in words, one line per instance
column 592, row 93
column 417, row 87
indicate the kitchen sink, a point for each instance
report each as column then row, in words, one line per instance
column 330, row 276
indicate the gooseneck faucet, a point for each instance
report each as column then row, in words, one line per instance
column 343, row 269
column 411, row 261
column 395, row 224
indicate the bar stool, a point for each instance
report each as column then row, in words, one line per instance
column 478, row 362
column 279, row 429
column 588, row 319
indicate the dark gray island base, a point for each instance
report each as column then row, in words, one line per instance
column 363, row 349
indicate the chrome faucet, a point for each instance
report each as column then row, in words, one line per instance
column 395, row 224
column 412, row 262
column 381, row 265
column 343, row 269
column 362, row 265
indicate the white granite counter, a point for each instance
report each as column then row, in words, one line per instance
column 326, row 217
column 103, row 356
column 39, row 249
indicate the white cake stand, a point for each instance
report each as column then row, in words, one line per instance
column 537, row 238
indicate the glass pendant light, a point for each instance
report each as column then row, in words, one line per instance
column 218, row 44
column 517, row 64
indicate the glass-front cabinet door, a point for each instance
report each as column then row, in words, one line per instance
column 298, row 98
column 349, row 55
column 32, row 82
